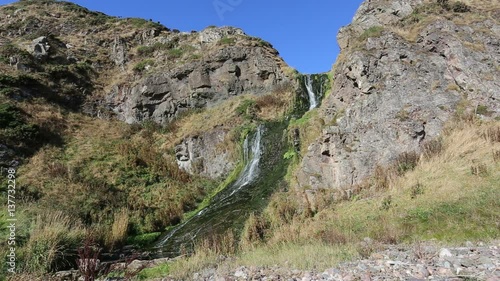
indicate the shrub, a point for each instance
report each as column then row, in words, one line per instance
column 175, row 53
column 145, row 50
column 416, row 190
column 141, row 66
column 14, row 129
column 483, row 110
column 149, row 50
column 460, row 7
column 386, row 203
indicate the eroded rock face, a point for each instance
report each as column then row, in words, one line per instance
column 223, row 73
column 204, row 155
column 393, row 94
column 213, row 34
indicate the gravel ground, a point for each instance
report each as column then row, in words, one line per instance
column 395, row 262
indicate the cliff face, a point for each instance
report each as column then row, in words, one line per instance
column 406, row 68
column 223, row 63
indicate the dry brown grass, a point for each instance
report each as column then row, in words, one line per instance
column 53, row 235
column 119, row 229
column 209, row 252
column 481, row 11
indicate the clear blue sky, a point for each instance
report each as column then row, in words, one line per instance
column 302, row 31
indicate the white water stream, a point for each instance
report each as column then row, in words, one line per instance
column 252, row 167
column 310, row 92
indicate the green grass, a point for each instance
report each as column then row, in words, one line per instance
column 141, row 66
column 372, row 32
column 149, row 50
column 155, row 272
column 175, row 53
column 143, row 240
column 142, row 23
column 247, row 108
column 306, row 256
column 471, row 215
column 227, row 41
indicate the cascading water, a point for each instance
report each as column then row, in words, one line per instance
column 225, row 208
column 312, row 96
column 252, row 166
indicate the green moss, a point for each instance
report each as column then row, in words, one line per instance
column 290, row 154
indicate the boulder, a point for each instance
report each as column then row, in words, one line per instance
column 40, row 47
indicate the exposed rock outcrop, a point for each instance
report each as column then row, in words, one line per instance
column 220, row 74
column 204, row 155
column 393, row 92
column 40, row 47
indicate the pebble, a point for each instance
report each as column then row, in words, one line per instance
column 445, row 253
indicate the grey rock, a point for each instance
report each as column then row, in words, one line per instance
column 445, row 253
column 68, row 275
column 240, row 274
column 40, row 47
column 391, row 95
column 202, row 155
column 119, row 51
column 213, row 34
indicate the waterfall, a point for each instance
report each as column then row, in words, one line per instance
column 204, row 219
column 245, row 150
column 312, row 95
column 251, row 169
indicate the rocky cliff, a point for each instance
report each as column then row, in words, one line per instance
column 223, row 62
column 405, row 68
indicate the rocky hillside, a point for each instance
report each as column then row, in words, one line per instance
column 121, row 126
column 121, row 129
column 405, row 69
column 128, row 69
